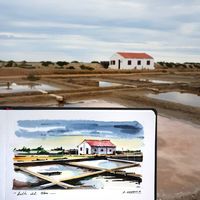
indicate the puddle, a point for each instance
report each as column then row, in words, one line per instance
column 177, row 97
column 107, row 84
column 15, row 88
column 93, row 103
column 156, row 81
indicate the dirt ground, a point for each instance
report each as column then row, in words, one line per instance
column 178, row 125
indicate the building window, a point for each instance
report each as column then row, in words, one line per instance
column 129, row 62
column 81, row 149
column 112, row 62
column 101, row 149
column 148, row 62
column 139, row 62
column 110, row 150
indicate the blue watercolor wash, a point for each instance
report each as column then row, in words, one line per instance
column 128, row 129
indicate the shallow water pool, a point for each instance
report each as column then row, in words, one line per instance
column 107, row 84
column 16, row 88
column 177, row 97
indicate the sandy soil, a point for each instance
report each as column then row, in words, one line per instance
column 178, row 158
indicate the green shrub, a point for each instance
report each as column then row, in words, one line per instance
column 70, row 67
column 75, row 61
column 62, row 63
column 86, row 67
column 169, row 65
column 46, row 63
column 105, row 64
column 32, row 77
column 11, row 63
column 96, row 62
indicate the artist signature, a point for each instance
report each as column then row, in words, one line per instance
column 32, row 193
column 132, row 192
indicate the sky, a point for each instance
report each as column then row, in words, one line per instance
column 57, row 128
column 87, row 30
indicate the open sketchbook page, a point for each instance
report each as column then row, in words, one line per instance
column 79, row 154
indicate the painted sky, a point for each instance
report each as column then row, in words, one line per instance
column 56, row 128
column 87, row 30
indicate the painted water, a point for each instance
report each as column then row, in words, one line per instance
column 65, row 171
column 104, row 181
column 107, row 164
column 177, row 97
column 16, row 88
column 107, row 84
column 111, row 181
column 25, row 178
column 156, row 81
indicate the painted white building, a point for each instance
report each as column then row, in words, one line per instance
column 96, row 147
column 125, row 60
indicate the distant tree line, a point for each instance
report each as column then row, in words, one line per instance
column 179, row 65
column 62, row 63
column 38, row 150
column 41, row 151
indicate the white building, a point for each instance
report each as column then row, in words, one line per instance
column 96, row 147
column 125, row 60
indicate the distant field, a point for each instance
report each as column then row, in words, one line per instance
column 47, row 157
column 62, row 67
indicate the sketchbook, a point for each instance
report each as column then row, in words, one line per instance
column 49, row 154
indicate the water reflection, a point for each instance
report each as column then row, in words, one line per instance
column 15, row 88
column 92, row 103
column 177, row 97
column 107, row 84
column 156, row 81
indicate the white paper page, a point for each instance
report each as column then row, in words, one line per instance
column 16, row 138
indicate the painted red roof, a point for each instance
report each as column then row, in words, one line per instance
column 135, row 55
column 100, row 143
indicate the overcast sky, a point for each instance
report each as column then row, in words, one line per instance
column 87, row 30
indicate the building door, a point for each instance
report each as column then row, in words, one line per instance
column 87, row 151
column 119, row 64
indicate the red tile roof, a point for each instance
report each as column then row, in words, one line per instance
column 135, row 55
column 100, row 143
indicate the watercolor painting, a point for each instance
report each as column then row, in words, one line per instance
column 78, row 154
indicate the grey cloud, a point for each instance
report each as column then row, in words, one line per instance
column 98, row 28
